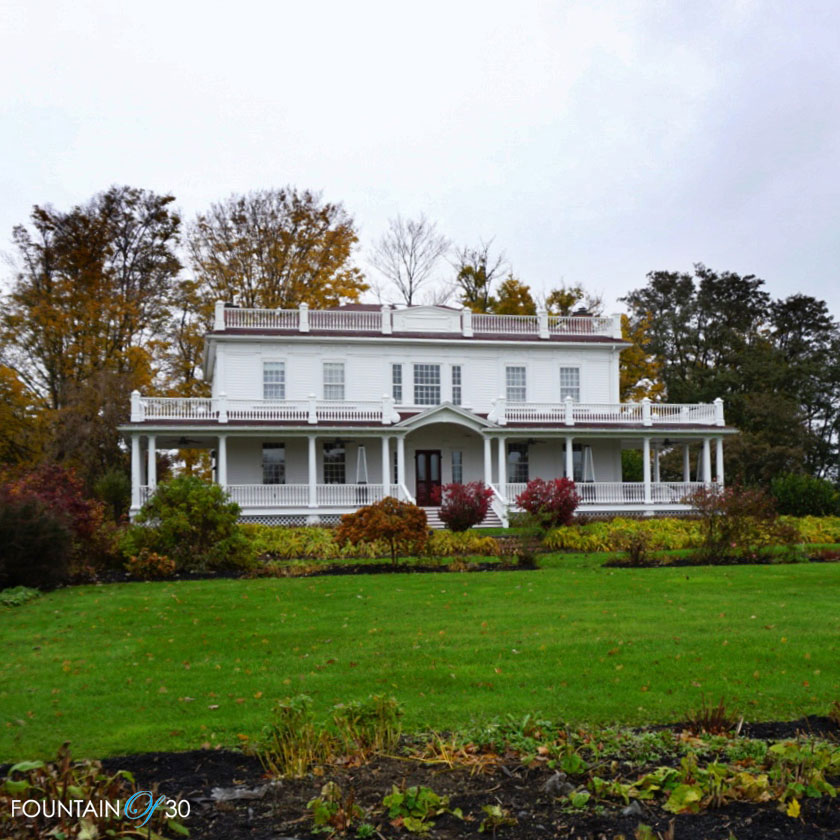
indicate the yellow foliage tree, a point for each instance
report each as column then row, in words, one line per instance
column 514, row 298
column 640, row 372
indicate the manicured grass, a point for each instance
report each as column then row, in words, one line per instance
column 161, row 666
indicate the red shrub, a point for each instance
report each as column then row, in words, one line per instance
column 552, row 503
column 464, row 505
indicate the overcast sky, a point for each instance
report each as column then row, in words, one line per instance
column 594, row 141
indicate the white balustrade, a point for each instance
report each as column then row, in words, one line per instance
column 269, row 495
column 177, row 408
column 345, row 320
column 267, row 410
column 261, row 319
column 334, row 411
column 661, row 414
column 506, row 324
column 621, row 492
column 579, row 325
column 533, row 413
column 348, row 495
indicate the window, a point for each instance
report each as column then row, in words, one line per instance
column 396, row 467
column 274, row 380
column 456, row 385
column 457, row 466
column 333, row 380
column 334, row 461
column 518, row 463
column 396, row 384
column 427, row 384
column 515, row 381
column 570, row 383
column 274, row 463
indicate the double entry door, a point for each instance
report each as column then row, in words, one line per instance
column 427, row 477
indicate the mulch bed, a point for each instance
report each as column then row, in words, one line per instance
column 277, row 810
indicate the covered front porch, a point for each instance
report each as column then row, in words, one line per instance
column 297, row 476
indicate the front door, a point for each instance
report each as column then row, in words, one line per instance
column 427, row 471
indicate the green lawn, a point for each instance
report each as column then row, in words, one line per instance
column 161, row 666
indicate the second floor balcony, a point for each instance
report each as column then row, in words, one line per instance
column 314, row 411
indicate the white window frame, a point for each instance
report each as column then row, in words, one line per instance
column 281, row 382
column 414, row 383
column 397, row 388
column 457, row 388
column 523, row 387
column 565, row 388
column 334, row 363
column 272, row 445
column 459, row 467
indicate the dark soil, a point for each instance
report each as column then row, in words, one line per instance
column 277, row 810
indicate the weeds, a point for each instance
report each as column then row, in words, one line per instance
column 368, row 726
column 714, row 720
column 413, row 808
column 293, row 742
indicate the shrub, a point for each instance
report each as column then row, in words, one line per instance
column 192, row 522
column 451, row 544
column 816, row 529
column 740, row 523
column 464, row 505
column 147, row 565
column 61, row 491
column 17, row 596
column 402, row 526
column 551, row 503
column 114, row 491
column 805, row 495
column 36, row 542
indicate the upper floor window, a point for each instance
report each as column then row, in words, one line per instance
column 274, row 463
column 334, row 463
column 427, row 384
column 518, row 463
column 333, row 380
column 515, row 384
column 570, row 383
column 396, row 384
column 274, row 380
column 456, row 384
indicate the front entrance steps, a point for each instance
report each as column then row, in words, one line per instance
column 433, row 516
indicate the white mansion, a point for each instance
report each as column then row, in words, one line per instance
column 314, row 413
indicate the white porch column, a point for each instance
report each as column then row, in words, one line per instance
column 488, row 462
column 686, row 464
column 312, row 475
column 135, row 470
column 707, row 461
column 151, row 465
column 719, row 461
column 386, row 466
column 221, row 466
column 646, row 469
column 570, row 460
column 502, row 468
column 656, row 473
column 401, row 460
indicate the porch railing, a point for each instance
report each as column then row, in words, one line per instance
column 468, row 324
column 621, row 492
column 644, row 413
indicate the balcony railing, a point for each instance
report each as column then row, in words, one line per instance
column 222, row 410
column 644, row 413
column 385, row 321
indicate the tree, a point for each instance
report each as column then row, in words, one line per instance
column 514, row 298
column 477, row 270
column 275, row 248
column 640, row 371
column 719, row 334
column 90, row 299
column 549, row 503
column 408, row 253
column 563, row 300
column 401, row 525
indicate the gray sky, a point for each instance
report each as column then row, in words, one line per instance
column 594, row 141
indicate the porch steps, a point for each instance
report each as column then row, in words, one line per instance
column 433, row 516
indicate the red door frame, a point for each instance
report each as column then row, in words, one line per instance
column 425, row 489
